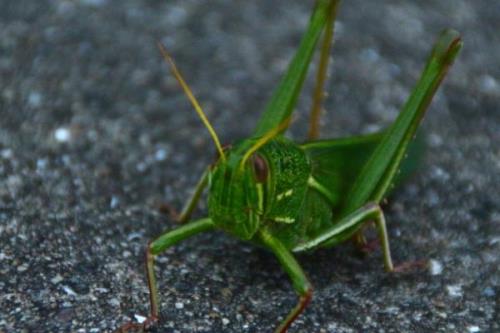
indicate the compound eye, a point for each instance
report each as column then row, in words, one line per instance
column 260, row 168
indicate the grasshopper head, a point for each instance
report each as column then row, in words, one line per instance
column 236, row 182
column 236, row 194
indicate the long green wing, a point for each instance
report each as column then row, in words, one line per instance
column 379, row 171
column 336, row 163
column 285, row 96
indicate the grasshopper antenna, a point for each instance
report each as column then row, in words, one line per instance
column 192, row 99
column 265, row 139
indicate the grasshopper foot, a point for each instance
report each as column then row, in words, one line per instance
column 409, row 266
column 145, row 326
column 169, row 210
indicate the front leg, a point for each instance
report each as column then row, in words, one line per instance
column 299, row 280
column 190, row 204
column 154, row 248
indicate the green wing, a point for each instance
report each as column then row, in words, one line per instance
column 337, row 163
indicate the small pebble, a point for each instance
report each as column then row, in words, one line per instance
column 62, row 134
column 22, row 268
column 454, row 290
column 115, row 201
column 69, row 291
column 134, row 235
column 392, row 310
column 435, row 140
column 494, row 240
column 56, row 279
column 488, row 84
column 160, row 155
column 473, row 329
column 114, row 302
column 93, row 3
column 179, row 305
column 6, row 153
column 369, row 55
column 225, row 321
column 488, row 292
column 140, row 319
column 41, row 164
column 35, row 99
column 435, row 267
column 440, row 174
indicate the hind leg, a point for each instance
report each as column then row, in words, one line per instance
column 319, row 93
column 341, row 231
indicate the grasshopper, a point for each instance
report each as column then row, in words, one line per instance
column 289, row 197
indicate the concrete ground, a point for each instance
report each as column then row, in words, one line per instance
column 95, row 135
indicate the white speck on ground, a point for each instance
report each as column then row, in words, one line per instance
column 41, row 164
column 93, row 3
column 114, row 302
column 473, row 329
column 435, row 140
column 56, row 279
column 392, row 310
column 140, row 319
column 115, row 201
column 6, row 153
column 134, row 235
column 69, row 291
column 454, row 290
column 488, row 85
column 160, row 155
column 494, row 240
column 369, row 55
column 35, row 99
column 62, row 134
column 435, row 267
column 22, row 268
column 439, row 173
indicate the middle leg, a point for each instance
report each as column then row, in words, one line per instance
column 299, row 280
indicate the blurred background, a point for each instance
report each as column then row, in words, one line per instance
column 96, row 136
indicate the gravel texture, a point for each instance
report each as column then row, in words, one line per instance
column 95, row 135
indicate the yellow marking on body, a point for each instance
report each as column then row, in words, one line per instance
column 260, row 195
column 284, row 195
column 284, row 219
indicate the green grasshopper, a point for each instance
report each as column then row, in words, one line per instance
column 289, row 197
